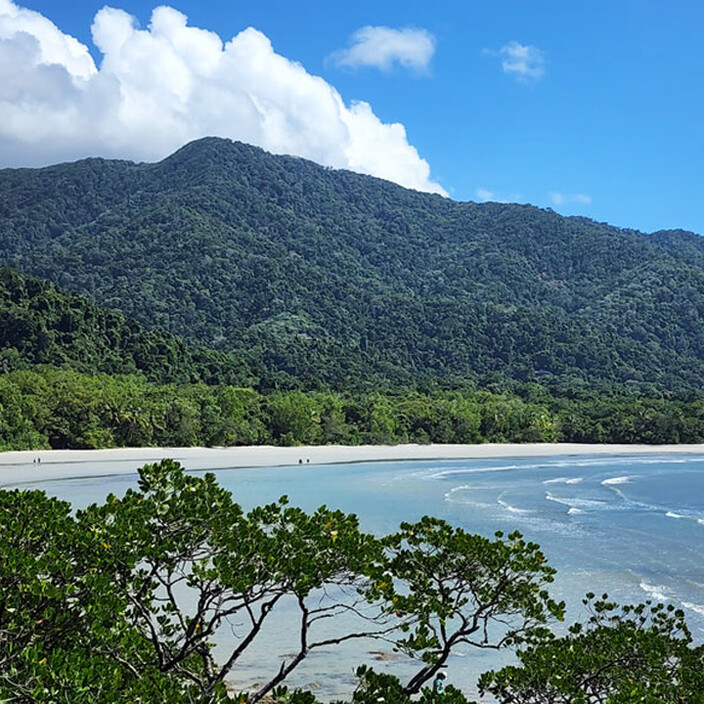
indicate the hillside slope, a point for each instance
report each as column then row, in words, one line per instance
column 42, row 325
column 313, row 274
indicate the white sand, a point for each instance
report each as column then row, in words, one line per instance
column 20, row 467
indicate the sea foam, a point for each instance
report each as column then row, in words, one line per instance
column 510, row 508
column 686, row 516
column 617, row 480
column 575, row 502
column 655, row 591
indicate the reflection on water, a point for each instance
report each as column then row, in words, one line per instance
column 629, row 526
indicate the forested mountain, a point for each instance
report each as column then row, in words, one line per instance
column 41, row 325
column 314, row 275
column 118, row 384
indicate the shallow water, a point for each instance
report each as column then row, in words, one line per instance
column 629, row 526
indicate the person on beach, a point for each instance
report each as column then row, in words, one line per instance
column 439, row 683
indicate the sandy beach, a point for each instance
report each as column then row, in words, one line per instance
column 21, row 467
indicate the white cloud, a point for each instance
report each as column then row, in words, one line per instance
column 52, row 46
column 484, row 195
column 523, row 61
column 384, row 48
column 160, row 87
column 570, row 198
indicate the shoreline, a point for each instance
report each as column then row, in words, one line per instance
column 20, row 467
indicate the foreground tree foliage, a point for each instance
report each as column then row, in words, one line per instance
column 627, row 655
column 120, row 601
column 466, row 589
column 123, row 602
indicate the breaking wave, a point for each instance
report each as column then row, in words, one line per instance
column 686, row 516
column 697, row 608
column 617, row 480
column 655, row 591
column 510, row 508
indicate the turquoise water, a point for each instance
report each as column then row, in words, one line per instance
column 629, row 526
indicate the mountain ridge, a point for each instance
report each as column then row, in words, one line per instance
column 315, row 274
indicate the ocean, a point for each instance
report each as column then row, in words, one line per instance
column 629, row 526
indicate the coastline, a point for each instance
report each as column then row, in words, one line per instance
column 21, row 466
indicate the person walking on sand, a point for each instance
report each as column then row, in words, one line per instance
column 439, row 683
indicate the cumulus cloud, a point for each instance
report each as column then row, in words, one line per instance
column 484, row 195
column 160, row 87
column 570, row 198
column 52, row 46
column 522, row 61
column 385, row 47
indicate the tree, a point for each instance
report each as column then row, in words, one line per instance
column 459, row 588
column 60, row 614
column 187, row 559
column 294, row 418
column 120, row 601
column 375, row 687
column 622, row 655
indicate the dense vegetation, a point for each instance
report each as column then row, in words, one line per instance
column 76, row 376
column 120, row 602
column 60, row 408
column 41, row 325
column 317, row 277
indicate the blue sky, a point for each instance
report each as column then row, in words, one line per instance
column 605, row 120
